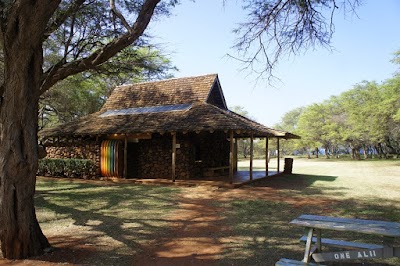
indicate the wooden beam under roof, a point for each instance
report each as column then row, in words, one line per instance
column 231, row 145
column 251, row 156
column 173, row 156
column 266, row 156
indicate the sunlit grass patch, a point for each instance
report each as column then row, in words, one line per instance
column 116, row 217
column 260, row 232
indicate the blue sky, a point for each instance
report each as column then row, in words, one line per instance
column 198, row 36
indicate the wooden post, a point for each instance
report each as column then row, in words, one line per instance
column 235, row 154
column 125, row 156
column 278, row 154
column 310, row 233
column 231, row 144
column 266, row 156
column 319, row 245
column 251, row 156
column 173, row 156
column 388, row 243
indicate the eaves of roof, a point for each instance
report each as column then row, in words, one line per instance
column 198, row 118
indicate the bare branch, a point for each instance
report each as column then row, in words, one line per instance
column 62, row 16
column 283, row 27
column 119, row 15
column 71, row 35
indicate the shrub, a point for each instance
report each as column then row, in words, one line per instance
column 79, row 168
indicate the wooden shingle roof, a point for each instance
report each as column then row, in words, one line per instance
column 192, row 104
column 200, row 117
column 164, row 92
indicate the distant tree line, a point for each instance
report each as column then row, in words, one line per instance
column 243, row 144
column 363, row 121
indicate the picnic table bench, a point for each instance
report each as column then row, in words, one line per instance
column 313, row 248
column 212, row 171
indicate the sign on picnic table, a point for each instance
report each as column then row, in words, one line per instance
column 351, row 255
column 314, row 223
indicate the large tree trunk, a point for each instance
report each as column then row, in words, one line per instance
column 365, row 152
column 327, row 152
column 20, row 233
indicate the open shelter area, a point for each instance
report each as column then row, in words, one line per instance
column 180, row 128
column 107, row 223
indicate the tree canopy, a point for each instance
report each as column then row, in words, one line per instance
column 364, row 118
column 86, row 92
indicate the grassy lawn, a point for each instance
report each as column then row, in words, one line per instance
column 101, row 223
column 360, row 189
column 117, row 219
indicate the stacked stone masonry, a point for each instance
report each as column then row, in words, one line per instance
column 152, row 158
column 89, row 150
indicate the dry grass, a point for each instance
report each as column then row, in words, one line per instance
column 98, row 223
column 359, row 189
column 116, row 219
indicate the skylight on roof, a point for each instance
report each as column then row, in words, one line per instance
column 147, row 110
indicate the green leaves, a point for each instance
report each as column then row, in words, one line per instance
column 365, row 117
column 85, row 93
column 67, row 168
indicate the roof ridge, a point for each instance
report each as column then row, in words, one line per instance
column 166, row 80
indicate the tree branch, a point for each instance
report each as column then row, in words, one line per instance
column 278, row 27
column 119, row 15
column 62, row 16
column 60, row 72
column 70, row 37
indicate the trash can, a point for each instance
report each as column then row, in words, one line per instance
column 288, row 166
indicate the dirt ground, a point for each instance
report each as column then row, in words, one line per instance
column 194, row 239
column 197, row 236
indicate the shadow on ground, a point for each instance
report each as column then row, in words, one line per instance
column 101, row 224
column 292, row 181
column 155, row 225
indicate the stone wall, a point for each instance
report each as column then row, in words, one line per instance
column 89, row 150
column 214, row 149
column 152, row 158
